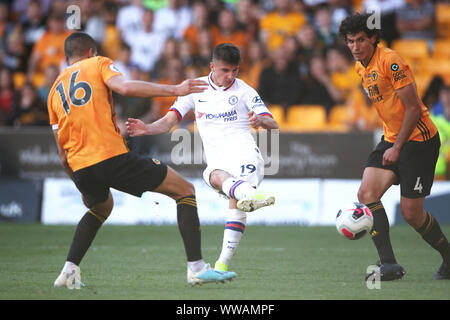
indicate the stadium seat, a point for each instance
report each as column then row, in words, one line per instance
column 306, row 118
column 443, row 20
column 422, row 82
column 38, row 79
column 434, row 67
column 111, row 42
column 277, row 112
column 337, row 119
column 19, row 78
column 411, row 49
column 441, row 49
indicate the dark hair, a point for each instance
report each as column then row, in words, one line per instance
column 228, row 53
column 77, row 44
column 356, row 23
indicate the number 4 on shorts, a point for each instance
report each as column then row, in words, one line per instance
column 418, row 186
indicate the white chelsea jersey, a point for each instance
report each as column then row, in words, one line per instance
column 222, row 119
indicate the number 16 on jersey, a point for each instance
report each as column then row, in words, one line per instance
column 73, row 88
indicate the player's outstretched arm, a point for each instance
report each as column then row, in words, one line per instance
column 144, row 89
column 136, row 127
column 266, row 122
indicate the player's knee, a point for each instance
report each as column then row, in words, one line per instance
column 367, row 196
column 411, row 214
column 216, row 179
column 186, row 189
column 104, row 209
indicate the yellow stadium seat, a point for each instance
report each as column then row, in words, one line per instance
column 337, row 120
column 277, row 112
column 441, row 49
column 422, row 82
column 38, row 80
column 19, row 78
column 411, row 49
column 435, row 67
column 111, row 42
column 306, row 118
column 443, row 20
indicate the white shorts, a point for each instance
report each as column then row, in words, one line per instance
column 248, row 168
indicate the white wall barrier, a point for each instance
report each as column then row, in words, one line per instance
column 298, row 201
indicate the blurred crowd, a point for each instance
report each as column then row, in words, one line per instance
column 291, row 50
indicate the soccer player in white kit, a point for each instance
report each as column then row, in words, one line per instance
column 224, row 113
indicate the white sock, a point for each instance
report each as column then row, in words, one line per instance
column 237, row 189
column 234, row 229
column 196, row 266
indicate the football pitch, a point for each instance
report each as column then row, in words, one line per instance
column 272, row 263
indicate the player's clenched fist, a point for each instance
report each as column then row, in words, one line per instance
column 190, row 86
column 254, row 120
column 135, row 127
column 391, row 156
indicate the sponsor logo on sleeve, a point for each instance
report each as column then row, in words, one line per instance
column 257, row 99
column 398, row 74
column 257, row 102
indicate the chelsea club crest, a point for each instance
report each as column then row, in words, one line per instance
column 232, row 100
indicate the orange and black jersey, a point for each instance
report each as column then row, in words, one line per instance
column 81, row 109
column 386, row 73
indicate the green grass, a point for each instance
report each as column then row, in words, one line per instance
column 272, row 263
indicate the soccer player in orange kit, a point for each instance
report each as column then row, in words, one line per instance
column 407, row 152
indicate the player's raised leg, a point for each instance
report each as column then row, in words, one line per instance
column 248, row 198
column 183, row 192
column 85, row 233
column 375, row 182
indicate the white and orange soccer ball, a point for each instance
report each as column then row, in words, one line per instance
column 354, row 221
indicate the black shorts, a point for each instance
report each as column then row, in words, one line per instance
column 126, row 172
column 415, row 166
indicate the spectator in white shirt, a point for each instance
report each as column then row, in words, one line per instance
column 146, row 44
column 173, row 19
column 129, row 18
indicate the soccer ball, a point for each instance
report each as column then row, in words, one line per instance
column 354, row 221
